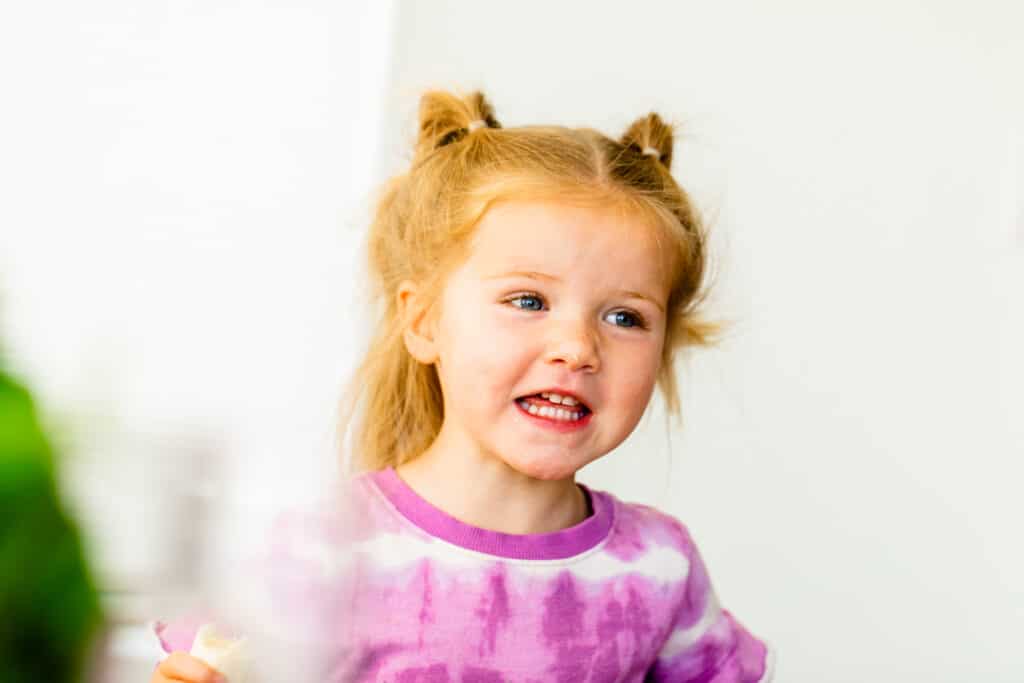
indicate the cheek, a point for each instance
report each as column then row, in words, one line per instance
column 637, row 379
column 483, row 359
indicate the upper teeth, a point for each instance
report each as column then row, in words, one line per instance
column 556, row 398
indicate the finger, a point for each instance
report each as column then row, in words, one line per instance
column 160, row 678
column 184, row 667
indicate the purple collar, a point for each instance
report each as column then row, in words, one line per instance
column 554, row 545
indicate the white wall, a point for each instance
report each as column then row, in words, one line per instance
column 851, row 462
column 183, row 192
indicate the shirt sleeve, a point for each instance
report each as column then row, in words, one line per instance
column 707, row 644
column 177, row 635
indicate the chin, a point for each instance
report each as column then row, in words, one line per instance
column 553, row 469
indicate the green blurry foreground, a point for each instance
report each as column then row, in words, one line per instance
column 49, row 607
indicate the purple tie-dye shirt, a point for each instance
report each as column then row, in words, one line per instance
column 421, row 597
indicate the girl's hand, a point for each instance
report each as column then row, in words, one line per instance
column 181, row 667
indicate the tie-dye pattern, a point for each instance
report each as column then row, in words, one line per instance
column 399, row 591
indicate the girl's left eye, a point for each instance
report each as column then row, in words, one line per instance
column 631, row 318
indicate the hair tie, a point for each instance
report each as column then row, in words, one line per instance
column 651, row 152
column 479, row 123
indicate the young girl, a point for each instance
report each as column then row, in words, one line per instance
column 536, row 284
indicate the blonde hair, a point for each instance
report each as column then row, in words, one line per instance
column 425, row 218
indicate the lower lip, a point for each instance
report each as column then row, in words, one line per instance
column 556, row 425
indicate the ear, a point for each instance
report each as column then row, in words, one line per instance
column 418, row 330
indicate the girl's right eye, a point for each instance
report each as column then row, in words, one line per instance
column 528, row 298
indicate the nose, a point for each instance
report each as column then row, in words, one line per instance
column 575, row 346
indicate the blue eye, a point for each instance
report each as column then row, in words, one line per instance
column 533, row 302
column 528, row 297
column 626, row 316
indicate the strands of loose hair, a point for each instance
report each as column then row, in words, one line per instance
column 424, row 220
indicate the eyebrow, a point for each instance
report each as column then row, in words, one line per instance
column 536, row 275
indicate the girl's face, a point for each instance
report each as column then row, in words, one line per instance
column 551, row 297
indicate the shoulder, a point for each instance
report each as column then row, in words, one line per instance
column 317, row 537
column 353, row 509
column 345, row 514
column 640, row 526
column 643, row 534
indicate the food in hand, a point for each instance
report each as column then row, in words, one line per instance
column 230, row 656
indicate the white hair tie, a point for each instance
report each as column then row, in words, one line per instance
column 479, row 123
column 652, row 152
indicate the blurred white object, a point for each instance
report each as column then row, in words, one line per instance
column 230, row 656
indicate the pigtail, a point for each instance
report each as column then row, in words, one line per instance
column 445, row 118
column 645, row 164
column 650, row 136
column 393, row 404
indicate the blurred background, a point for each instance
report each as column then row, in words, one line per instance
column 184, row 190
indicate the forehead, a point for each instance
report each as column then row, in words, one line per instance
column 562, row 239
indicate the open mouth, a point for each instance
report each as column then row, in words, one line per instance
column 554, row 407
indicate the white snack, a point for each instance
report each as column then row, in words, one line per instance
column 229, row 656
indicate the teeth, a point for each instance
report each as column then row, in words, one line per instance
column 558, row 398
column 551, row 413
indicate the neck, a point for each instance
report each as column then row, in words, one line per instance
column 482, row 490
